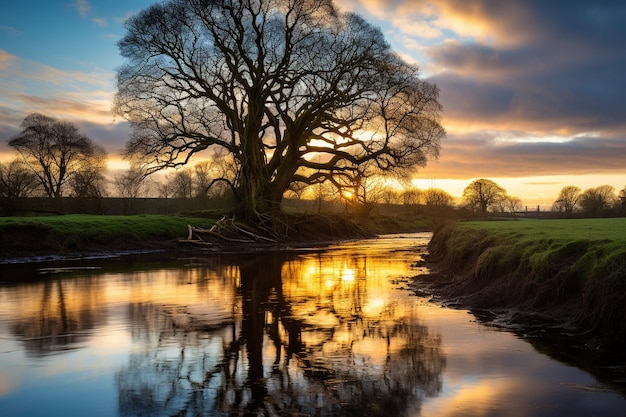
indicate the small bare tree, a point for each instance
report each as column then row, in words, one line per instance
column 483, row 194
column 567, row 200
column 178, row 184
column 131, row 183
column 436, row 197
column 55, row 151
column 512, row 204
column 90, row 181
column 412, row 196
column 17, row 180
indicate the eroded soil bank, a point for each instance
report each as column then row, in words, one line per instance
column 552, row 284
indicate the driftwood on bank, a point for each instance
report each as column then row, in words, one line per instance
column 226, row 232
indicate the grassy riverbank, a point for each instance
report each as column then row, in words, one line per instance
column 71, row 234
column 570, row 271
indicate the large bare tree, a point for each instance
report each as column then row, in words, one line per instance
column 55, row 151
column 294, row 90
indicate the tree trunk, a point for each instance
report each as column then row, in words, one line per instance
column 258, row 201
column 261, row 192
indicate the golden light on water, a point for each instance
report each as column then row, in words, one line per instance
column 332, row 324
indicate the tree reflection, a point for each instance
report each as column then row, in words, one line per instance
column 63, row 318
column 268, row 359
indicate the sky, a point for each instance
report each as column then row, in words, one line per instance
column 532, row 90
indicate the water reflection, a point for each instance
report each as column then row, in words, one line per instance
column 58, row 315
column 314, row 335
column 307, row 334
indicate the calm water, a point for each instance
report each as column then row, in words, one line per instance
column 318, row 333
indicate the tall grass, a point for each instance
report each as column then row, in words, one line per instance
column 570, row 270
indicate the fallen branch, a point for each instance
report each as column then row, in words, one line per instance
column 225, row 230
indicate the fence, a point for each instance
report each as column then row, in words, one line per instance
column 111, row 206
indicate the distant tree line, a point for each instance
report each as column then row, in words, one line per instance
column 600, row 201
column 55, row 160
column 485, row 197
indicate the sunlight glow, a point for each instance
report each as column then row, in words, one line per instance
column 117, row 165
column 347, row 275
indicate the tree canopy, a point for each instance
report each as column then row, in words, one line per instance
column 292, row 90
column 567, row 199
column 594, row 201
column 483, row 194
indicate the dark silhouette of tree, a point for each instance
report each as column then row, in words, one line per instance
column 438, row 204
column 203, row 178
column 55, row 151
column 210, row 175
column 412, row 196
column 178, row 185
column 511, row 204
column 17, row 180
column 131, row 183
column 596, row 201
column 436, row 197
column 294, row 91
column 360, row 190
column 90, row 180
column 567, row 200
column 323, row 192
column 483, row 194
column 66, row 313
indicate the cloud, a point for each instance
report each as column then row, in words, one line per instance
column 83, row 7
column 6, row 60
column 79, row 97
column 537, row 65
column 542, row 183
column 10, row 30
column 484, row 154
column 100, row 21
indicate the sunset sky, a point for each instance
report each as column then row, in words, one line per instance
column 533, row 90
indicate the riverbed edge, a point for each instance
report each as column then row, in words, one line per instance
column 508, row 295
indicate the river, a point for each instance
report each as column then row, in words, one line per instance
column 314, row 332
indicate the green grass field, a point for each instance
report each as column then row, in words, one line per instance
column 566, row 229
column 66, row 233
column 75, row 231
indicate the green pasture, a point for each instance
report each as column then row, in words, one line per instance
column 95, row 228
column 586, row 248
column 613, row 229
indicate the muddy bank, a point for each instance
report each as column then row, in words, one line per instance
column 529, row 288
